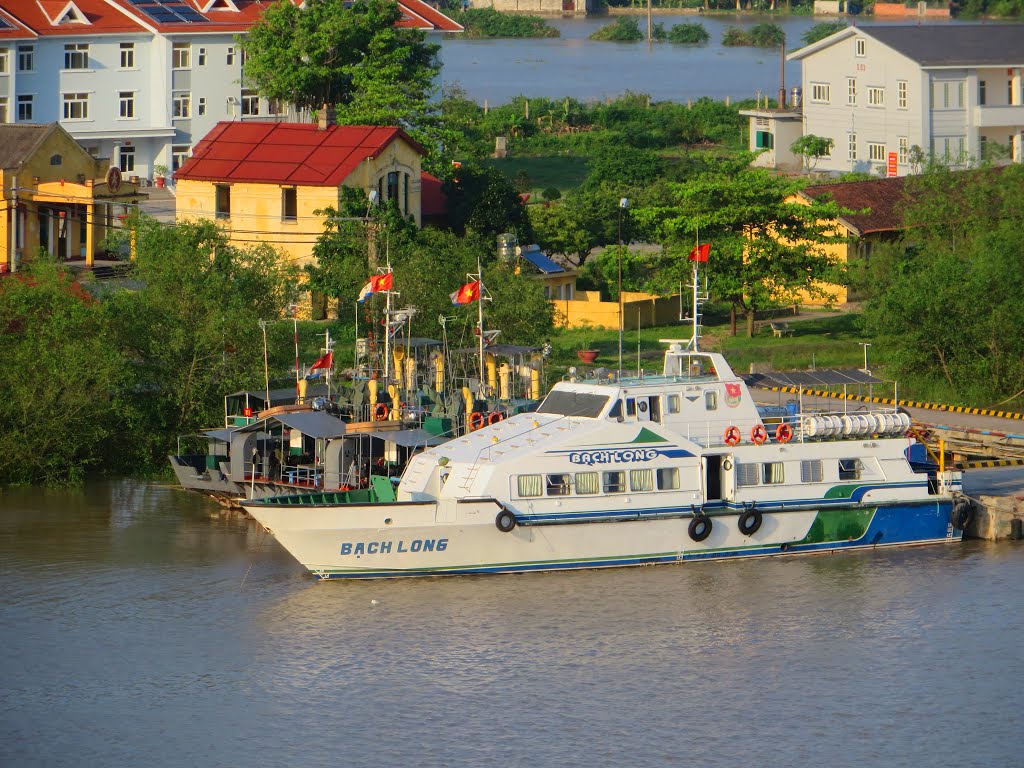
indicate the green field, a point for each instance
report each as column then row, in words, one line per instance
column 562, row 172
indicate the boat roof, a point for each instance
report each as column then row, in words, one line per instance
column 505, row 350
column 822, row 377
column 318, row 424
column 409, row 438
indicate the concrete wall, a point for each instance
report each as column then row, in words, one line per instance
column 643, row 308
column 900, row 10
column 539, row 7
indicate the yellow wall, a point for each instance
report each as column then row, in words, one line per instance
column 637, row 307
column 839, row 251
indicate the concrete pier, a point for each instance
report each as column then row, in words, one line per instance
column 997, row 518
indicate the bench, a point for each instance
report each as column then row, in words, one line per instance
column 781, row 329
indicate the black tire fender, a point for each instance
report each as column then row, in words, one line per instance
column 750, row 521
column 505, row 520
column 963, row 513
column 700, row 527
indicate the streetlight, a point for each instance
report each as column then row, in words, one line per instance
column 623, row 205
column 865, row 368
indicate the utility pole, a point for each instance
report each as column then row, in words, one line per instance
column 623, row 205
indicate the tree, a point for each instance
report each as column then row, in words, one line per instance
column 811, row 148
column 822, row 30
column 483, row 200
column 59, row 371
column 766, row 248
column 583, row 220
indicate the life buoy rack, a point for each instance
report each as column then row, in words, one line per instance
column 700, row 527
column 505, row 521
column 750, row 521
column 380, row 412
column 758, row 434
column 476, row 420
column 732, row 435
column 495, row 417
column 783, row 433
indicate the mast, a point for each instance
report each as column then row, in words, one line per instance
column 387, row 334
column 480, row 320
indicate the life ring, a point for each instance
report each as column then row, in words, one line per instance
column 963, row 513
column 783, row 433
column 495, row 417
column 380, row 412
column 750, row 521
column 505, row 521
column 700, row 527
column 476, row 420
column 758, row 434
column 732, row 435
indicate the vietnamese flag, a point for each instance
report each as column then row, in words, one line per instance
column 326, row 362
column 467, row 294
column 383, row 282
column 700, row 253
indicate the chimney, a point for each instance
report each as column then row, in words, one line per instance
column 327, row 117
column 782, row 77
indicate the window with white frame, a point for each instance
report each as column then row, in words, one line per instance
column 181, row 104
column 76, row 56
column 201, row 57
column 127, row 55
column 947, row 94
column 4, row 112
column 179, row 154
column 820, row 93
column 851, row 90
column 5, row 59
column 26, row 58
column 201, row 105
column 76, row 105
column 904, row 150
column 876, row 97
column 851, row 143
column 181, row 56
column 126, row 159
column 250, row 102
column 126, row 103
column 876, row 151
column 861, row 47
column 26, row 104
column 901, row 94
column 231, row 55
column 810, row 471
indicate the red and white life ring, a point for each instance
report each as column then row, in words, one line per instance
column 758, row 434
column 783, row 433
column 495, row 417
column 380, row 412
column 732, row 435
column 476, row 420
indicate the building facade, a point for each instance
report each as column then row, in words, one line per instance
column 138, row 81
column 954, row 91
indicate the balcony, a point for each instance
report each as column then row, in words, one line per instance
column 995, row 117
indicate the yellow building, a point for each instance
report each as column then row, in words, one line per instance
column 264, row 182
column 57, row 197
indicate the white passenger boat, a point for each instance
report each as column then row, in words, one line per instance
column 632, row 471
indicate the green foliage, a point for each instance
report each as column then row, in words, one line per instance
column 550, row 194
column 519, row 308
column 59, row 372
column 821, row 30
column 1007, row 9
column 811, row 148
column 484, row 201
column 949, row 307
column 624, row 29
column 583, row 220
column 602, row 271
column 757, row 36
column 691, row 34
column 624, row 167
column 489, row 23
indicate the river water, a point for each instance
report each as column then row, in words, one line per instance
column 140, row 627
column 499, row 70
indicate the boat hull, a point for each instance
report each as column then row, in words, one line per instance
column 402, row 540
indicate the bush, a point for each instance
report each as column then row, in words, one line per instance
column 622, row 30
column 487, row 22
column 822, row 30
column 758, row 36
column 692, row 34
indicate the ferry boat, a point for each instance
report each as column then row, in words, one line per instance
column 632, row 471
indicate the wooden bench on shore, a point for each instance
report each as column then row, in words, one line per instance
column 781, row 329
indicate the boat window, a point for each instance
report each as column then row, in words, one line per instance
column 772, row 473
column 668, row 479
column 616, row 411
column 810, row 471
column 587, row 483
column 673, row 403
column 565, row 403
column 849, row 469
column 558, row 485
column 630, row 406
column 529, row 486
column 746, row 474
column 641, row 480
column 614, row 482
column 711, row 400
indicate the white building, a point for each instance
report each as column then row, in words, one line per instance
column 138, row 81
column 954, row 90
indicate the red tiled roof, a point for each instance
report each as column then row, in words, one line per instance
column 878, row 203
column 286, row 153
column 39, row 17
column 433, row 202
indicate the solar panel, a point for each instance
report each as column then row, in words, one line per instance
column 169, row 11
column 187, row 13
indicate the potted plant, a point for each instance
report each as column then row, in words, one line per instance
column 159, row 172
column 587, row 354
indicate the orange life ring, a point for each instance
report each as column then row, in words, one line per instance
column 783, row 433
column 758, row 434
column 380, row 412
column 476, row 420
column 495, row 417
column 732, row 436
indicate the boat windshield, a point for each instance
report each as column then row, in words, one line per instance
column 565, row 403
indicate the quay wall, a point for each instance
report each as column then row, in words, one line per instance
column 997, row 518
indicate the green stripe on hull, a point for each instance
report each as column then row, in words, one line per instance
column 838, row 525
column 841, row 491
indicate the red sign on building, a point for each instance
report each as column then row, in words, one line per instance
column 892, row 164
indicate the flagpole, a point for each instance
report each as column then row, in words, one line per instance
column 387, row 333
column 327, row 343
column 696, row 266
column 295, row 330
column 480, row 319
column 355, row 346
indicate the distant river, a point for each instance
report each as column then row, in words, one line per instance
column 140, row 628
column 499, row 70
